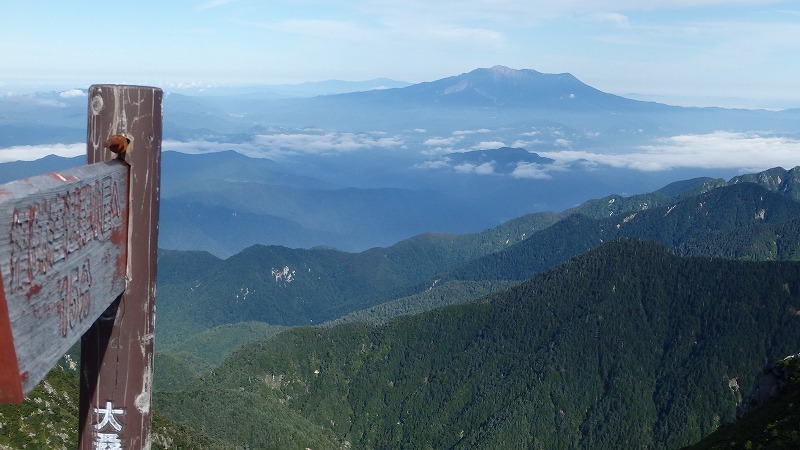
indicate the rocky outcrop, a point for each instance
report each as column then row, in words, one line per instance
column 776, row 379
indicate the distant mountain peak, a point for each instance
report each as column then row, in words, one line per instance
column 502, row 86
column 507, row 71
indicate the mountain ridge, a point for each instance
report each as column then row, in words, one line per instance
column 670, row 224
column 764, row 224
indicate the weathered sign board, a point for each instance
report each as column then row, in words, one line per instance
column 63, row 259
column 78, row 255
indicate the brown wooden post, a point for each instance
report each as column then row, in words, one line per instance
column 117, row 352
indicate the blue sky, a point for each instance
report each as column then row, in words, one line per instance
column 696, row 52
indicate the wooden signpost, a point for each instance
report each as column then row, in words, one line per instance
column 78, row 252
column 63, row 258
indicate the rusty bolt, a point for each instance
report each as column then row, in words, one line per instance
column 117, row 143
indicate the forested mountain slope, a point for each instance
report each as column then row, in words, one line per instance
column 625, row 346
column 286, row 286
column 697, row 225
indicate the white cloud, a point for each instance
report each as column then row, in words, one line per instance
column 281, row 145
column 565, row 143
column 33, row 152
column 482, row 169
column 525, row 144
column 440, row 141
column 72, row 93
column 718, row 150
column 489, row 145
column 322, row 143
column 531, row 171
column 468, row 132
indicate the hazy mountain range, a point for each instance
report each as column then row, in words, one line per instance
column 499, row 259
column 364, row 169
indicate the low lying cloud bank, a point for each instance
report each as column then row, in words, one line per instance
column 281, row 145
column 748, row 152
column 330, row 142
column 274, row 146
column 34, row 152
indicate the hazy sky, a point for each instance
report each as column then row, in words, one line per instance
column 728, row 53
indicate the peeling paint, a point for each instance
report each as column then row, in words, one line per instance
column 142, row 401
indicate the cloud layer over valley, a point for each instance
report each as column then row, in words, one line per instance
column 745, row 152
